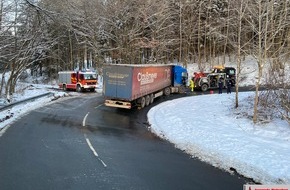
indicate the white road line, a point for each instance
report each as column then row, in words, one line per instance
column 3, row 130
column 90, row 144
column 85, row 118
column 94, row 151
column 91, row 147
column 98, row 106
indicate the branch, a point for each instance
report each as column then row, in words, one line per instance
column 39, row 9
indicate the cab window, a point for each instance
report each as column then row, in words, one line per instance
column 231, row 71
column 90, row 76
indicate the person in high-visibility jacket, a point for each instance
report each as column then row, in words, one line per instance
column 191, row 84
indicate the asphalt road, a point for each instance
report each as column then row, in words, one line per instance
column 78, row 143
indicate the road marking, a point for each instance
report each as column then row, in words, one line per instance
column 94, row 151
column 3, row 130
column 85, row 118
column 98, row 106
column 90, row 144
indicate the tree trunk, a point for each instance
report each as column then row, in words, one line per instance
column 199, row 37
column 261, row 59
column 227, row 36
column 239, row 58
column 1, row 14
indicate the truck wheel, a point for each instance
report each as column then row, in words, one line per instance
column 233, row 82
column 167, row 91
column 64, row 87
column 204, row 87
column 79, row 89
column 92, row 90
column 147, row 100
column 151, row 98
column 181, row 89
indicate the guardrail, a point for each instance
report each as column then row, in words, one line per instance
column 24, row 100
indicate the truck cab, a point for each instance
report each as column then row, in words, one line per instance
column 180, row 78
column 77, row 80
column 230, row 73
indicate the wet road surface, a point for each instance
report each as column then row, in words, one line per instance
column 78, row 143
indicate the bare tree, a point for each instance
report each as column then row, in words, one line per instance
column 23, row 43
column 276, row 97
column 267, row 26
column 238, row 41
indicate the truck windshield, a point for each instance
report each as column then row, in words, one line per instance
column 231, row 71
column 90, row 76
column 184, row 74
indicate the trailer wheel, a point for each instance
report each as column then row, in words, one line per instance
column 204, row 87
column 64, row 87
column 142, row 102
column 79, row 88
column 167, row 91
column 151, row 98
column 147, row 100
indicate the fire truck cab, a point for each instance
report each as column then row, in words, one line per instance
column 77, row 80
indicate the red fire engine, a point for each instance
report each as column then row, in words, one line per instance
column 77, row 80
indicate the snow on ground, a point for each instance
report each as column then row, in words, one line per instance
column 7, row 116
column 207, row 127
column 28, row 90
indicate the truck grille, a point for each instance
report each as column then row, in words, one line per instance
column 91, row 83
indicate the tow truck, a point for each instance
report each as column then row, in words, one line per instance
column 206, row 81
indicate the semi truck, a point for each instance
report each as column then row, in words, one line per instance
column 77, row 80
column 127, row 86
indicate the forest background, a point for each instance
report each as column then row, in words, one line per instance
column 47, row 36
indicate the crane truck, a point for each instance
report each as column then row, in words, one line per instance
column 127, row 86
column 205, row 81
